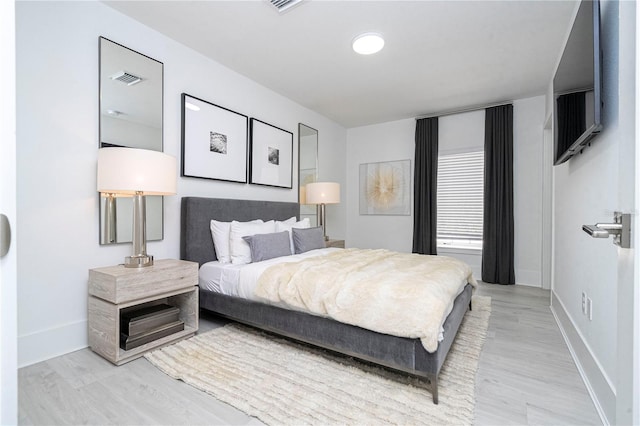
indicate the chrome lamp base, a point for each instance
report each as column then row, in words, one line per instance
column 140, row 261
column 322, row 215
column 140, row 258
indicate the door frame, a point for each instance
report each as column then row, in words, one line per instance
column 8, row 263
column 635, row 374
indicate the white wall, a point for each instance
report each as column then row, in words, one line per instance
column 395, row 141
column 57, row 109
column 461, row 132
column 369, row 144
column 588, row 189
column 528, row 144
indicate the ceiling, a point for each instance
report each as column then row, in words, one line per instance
column 438, row 55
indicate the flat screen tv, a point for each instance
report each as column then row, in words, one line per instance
column 577, row 85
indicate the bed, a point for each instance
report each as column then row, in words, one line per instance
column 398, row 353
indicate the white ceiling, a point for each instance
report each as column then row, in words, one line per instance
column 438, row 55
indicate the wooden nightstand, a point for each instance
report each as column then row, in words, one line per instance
column 335, row 243
column 116, row 289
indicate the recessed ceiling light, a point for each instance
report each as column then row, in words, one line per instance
column 368, row 43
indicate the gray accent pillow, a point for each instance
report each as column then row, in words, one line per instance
column 307, row 239
column 268, row 246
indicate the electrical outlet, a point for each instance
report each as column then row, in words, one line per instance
column 589, row 308
column 584, row 303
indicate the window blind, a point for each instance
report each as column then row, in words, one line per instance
column 460, row 195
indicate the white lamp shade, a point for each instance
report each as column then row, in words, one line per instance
column 131, row 170
column 323, row 193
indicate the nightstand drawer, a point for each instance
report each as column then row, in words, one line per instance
column 117, row 284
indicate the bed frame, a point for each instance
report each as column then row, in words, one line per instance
column 398, row 353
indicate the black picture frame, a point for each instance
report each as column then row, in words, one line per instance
column 214, row 141
column 271, row 159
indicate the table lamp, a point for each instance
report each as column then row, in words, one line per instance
column 136, row 172
column 323, row 193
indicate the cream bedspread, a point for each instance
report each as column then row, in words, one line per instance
column 401, row 294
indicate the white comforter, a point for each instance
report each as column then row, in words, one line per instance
column 401, row 294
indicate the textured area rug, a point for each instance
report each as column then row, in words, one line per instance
column 281, row 382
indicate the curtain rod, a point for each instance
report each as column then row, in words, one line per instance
column 463, row 110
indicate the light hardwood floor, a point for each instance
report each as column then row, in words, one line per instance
column 525, row 376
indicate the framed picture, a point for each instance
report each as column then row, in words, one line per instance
column 271, row 160
column 214, row 141
column 385, row 188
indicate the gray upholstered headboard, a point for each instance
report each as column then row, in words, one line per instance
column 196, row 243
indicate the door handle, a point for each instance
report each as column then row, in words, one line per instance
column 620, row 229
column 5, row 235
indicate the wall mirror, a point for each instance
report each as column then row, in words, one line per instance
column 131, row 109
column 307, row 168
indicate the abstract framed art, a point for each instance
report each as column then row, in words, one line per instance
column 271, row 160
column 214, row 141
column 385, row 188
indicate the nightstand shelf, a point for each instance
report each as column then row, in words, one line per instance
column 115, row 289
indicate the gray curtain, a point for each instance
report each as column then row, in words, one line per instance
column 497, row 246
column 425, row 186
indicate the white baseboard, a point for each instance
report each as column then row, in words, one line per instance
column 46, row 344
column 599, row 386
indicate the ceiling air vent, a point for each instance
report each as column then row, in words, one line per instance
column 125, row 77
column 283, row 5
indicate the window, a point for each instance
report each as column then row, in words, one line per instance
column 460, row 199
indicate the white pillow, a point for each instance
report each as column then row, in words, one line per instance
column 220, row 234
column 238, row 247
column 289, row 221
column 287, row 226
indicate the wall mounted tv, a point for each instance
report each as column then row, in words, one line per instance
column 577, row 85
